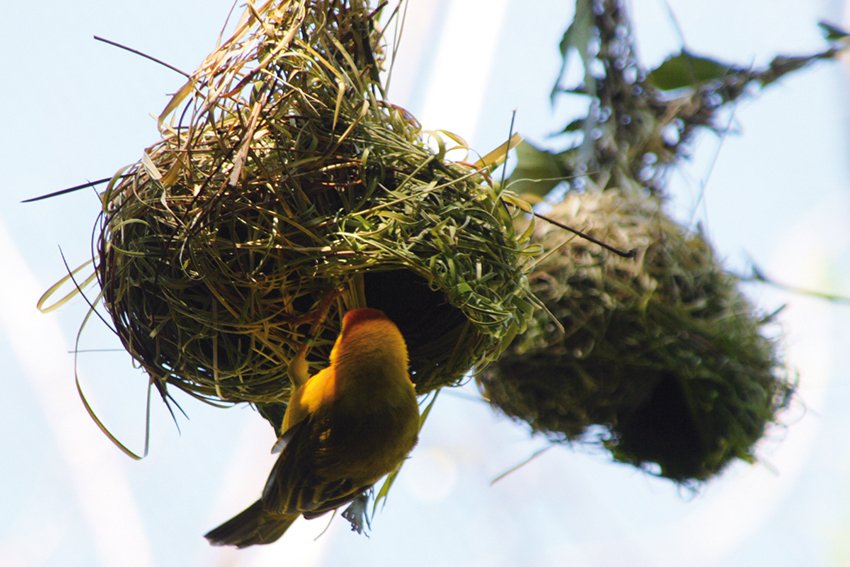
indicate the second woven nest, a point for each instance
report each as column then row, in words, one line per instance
column 660, row 358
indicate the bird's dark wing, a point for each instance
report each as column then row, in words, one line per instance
column 299, row 483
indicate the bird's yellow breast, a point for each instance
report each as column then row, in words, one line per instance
column 364, row 398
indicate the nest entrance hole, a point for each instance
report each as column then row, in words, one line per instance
column 431, row 326
column 663, row 430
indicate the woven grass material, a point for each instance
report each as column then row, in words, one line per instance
column 661, row 358
column 283, row 177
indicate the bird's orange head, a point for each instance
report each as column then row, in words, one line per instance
column 367, row 337
column 357, row 316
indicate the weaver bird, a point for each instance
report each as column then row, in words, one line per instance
column 344, row 428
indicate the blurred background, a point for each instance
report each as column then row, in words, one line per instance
column 775, row 190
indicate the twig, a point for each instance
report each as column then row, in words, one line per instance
column 145, row 55
column 624, row 254
column 71, row 189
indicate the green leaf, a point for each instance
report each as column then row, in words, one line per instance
column 832, row 32
column 687, row 70
column 574, row 126
column 577, row 36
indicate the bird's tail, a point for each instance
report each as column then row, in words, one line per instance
column 252, row 526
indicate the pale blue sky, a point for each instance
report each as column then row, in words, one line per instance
column 77, row 109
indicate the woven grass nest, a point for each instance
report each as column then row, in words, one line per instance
column 286, row 190
column 660, row 359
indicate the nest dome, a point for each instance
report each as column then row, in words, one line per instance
column 286, row 190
